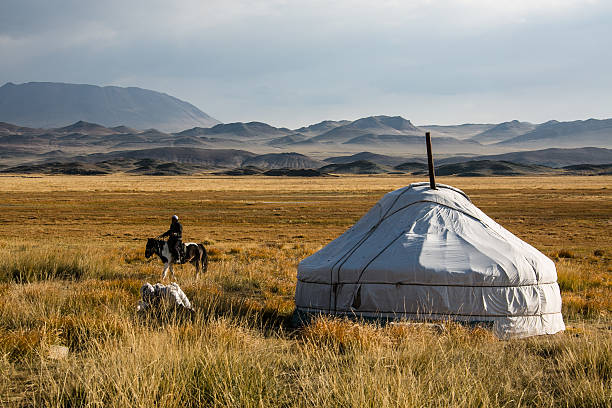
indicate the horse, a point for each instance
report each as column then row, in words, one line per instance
column 194, row 254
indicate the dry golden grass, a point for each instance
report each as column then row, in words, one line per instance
column 129, row 184
column 73, row 264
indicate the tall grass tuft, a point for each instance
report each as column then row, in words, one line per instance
column 26, row 265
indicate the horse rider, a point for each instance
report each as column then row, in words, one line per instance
column 175, row 236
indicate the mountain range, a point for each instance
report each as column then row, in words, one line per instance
column 379, row 135
column 136, row 124
column 591, row 132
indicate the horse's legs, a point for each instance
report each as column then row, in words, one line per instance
column 197, row 266
column 165, row 271
column 172, row 271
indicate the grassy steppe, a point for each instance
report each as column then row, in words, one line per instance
column 73, row 263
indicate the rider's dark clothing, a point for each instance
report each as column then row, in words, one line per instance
column 175, row 236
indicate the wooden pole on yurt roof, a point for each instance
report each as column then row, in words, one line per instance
column 432, row 174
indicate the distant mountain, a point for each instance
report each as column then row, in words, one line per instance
column 383, row 140
column 288, row 172
column 372, row 139
column 545, row 157
column 321, row 127
column 441, row 143
column 384, row 134
column 10, row 129
column 373, row 125
column 464, row 131
column 250, row 130
column 478, row 168
column 590, row 169
column 212, row 158
column 384, row 124
column 504, row 131
column 474, row 168
column 368, row 156
column 86, row 128
column 240, row 171
column 356, row 167
column 156, row 167
column 195, row 131
column 125, row 129
column 84, row 136
column 283, row 160
column 579, row 133
column 209, row 158
column 51, row 104
column 74, row 168
column 287, row 140
column 295, row 173
column 412, row 167
column 147, row 167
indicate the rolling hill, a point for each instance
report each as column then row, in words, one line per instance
column 480, row 168
column 208, row 158
column 369, row 156
column 212, row 158
column 590, row 169
column 52, row 104
column 412, row 167
column 147, row 167
column 283, row 160
column 546, row 157
column 356, row 167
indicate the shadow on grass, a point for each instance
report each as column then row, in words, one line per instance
column 243, row 311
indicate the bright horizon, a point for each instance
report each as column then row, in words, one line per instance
column 291, row 65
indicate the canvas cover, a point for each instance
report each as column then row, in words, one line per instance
column 432, row 254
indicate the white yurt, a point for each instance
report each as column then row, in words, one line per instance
column 430, row 254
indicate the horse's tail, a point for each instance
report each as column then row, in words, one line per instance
column 204, row 259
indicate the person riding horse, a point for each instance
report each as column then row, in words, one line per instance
column 175, row 236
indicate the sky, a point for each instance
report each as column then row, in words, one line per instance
column 293, row 63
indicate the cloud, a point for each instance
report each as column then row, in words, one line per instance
column 289, row 62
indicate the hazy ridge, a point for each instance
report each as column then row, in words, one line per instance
column 50, row 104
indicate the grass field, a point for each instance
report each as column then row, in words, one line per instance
column 73, row 262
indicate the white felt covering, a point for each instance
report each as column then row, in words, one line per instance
column 432, row 254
